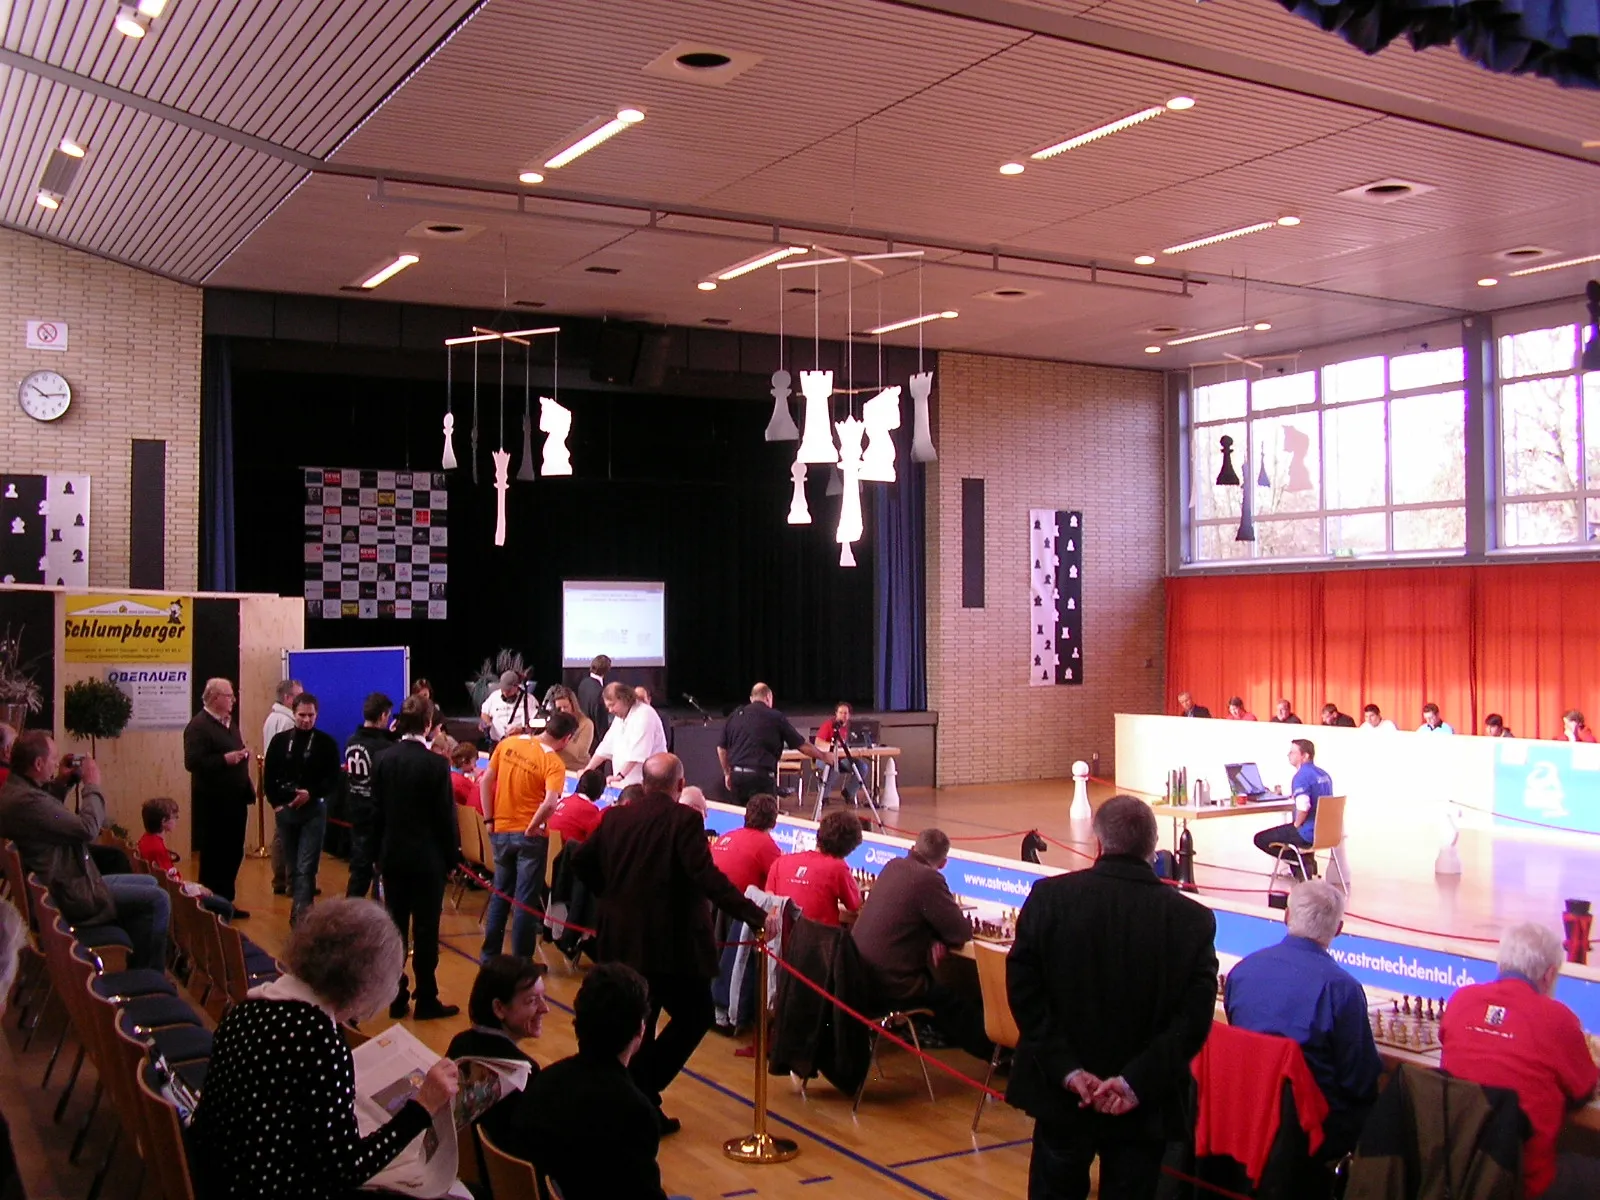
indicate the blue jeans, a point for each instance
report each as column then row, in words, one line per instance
column 143, row 912
column 302, row 829
column 519, row 872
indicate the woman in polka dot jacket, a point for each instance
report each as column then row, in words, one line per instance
column 277, row 1118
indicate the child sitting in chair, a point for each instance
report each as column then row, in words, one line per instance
column 160, row 817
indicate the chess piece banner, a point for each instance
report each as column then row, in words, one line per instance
column 44, row 529
column 1055, row 558
column 376, row 544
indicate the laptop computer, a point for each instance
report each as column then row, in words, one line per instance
column 1244, row 779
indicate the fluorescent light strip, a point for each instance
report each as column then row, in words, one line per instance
column 947, row 315
column 1258, row 227
column 624, row 118
column 828, row 262
column 389, row 272
column 1556, row 266
column 1205, row 337
column 760, row 260
column 1095, row 135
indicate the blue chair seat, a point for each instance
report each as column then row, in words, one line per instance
column 117, row 985
column 139, row 1016
column 97, row 937
column 180, row 1044
column 191, row 1074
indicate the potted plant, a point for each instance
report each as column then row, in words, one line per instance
column 96, row 709
column 19, row 694
column 488, row 677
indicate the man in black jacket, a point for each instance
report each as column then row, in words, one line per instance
column 1113, row 981
column 361, row 753
column 220, row 791
column 303, row 769
column 414, row 823
column 649, row 864
column 591, row 697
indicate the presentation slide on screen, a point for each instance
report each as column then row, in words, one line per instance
column 627, row 621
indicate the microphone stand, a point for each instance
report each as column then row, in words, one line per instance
column 705, row 717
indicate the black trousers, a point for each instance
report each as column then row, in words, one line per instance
column 222, row 846
column 1059, row 1168
column 752, row 783
column 361, row 848
column 1289, row 835
column 959, row 1020
column 686, row 999
column 415, row 898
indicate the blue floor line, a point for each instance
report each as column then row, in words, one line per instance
column 741, row 1192
column 816, row 1179
column 917, row 1162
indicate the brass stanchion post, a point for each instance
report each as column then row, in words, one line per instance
column 760, row 1146
column 262, row 850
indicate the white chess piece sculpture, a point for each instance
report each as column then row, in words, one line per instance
column 781, row 426
column 921, row 435
column 502, row 464
column 882, row 415
column 890, row 797
column 799, row 513
column 525, row 467
column 1080, row 792
column 850, row 526
column 449, row 463
column 1448, row 861
column 817, row 444
column 555, row 421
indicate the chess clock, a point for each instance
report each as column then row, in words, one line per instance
column 44, row 395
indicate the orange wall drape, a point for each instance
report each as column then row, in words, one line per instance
column 1522, row 640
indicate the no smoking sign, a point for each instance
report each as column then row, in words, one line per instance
column 47, row 335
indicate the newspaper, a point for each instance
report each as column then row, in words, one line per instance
column 389, row 1072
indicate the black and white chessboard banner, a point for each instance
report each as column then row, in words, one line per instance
column 377, row 544
column 44, row 529
column 1055, row 544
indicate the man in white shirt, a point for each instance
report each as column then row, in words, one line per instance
column 1432, row 722
column 506, row 709
column 1372, row 718
column 279, row 719
column 635, row 735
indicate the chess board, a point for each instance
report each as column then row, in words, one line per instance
column 44, row 529
column 1409, row 1023
column 376, row 544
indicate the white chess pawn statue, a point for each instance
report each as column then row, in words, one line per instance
column 890, row 797
column 781, row 426
column 1080, row 792
column 799, row 513
column 882, row 415
column 449, row 463
column 502, row 464
column 850, row 525
column 555, row 421
column 921, row 434
column 817, row 444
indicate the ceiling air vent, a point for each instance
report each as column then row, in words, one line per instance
column 444, row 231
column 604, row 270
column 1521, row 255
column 1008, row 295
column 696, row 62
column 1387, row 191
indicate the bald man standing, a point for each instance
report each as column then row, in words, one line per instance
column 221, row 794
column 753, row 739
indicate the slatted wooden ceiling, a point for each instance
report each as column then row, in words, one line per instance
column 862, row 114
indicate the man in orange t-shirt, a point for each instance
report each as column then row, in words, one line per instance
column 819, row 880
column 523, row 774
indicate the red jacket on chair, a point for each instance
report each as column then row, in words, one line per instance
column 1241, row 1076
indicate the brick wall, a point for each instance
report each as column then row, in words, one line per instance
column 1043, row 435
column 134, row 366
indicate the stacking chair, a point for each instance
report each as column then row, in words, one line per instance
column 474, row 847
column 164, row 1128
column 1329, row 836
column 31, row 972
column 999, row 1024
column 512, row 1178
column 901, row 1020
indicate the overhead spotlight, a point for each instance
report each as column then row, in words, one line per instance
column 1145, row 260
column 71, row 148
column 1152, row 349
column 388, row 271
column 1012, row 168
column 597, row 132
column 1488, row 282
column 1180, row 103
column 530, row 177
column 947, row 315
column 1261, row 326
column 131, row 23
column 707, row 285
column 50, row 200
column 1289, row 222
column 756, row 261
column 152, row 8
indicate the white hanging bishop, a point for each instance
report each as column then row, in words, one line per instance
column 850, row 526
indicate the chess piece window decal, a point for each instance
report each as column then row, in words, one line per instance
column 1227, row 476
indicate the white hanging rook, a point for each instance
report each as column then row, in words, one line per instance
column 799, row 513
column 921, row 433
column 850, row 524
column 502, row 464
column 817, row 444
column 781, row 426
column 882, row 416
column 556, row 422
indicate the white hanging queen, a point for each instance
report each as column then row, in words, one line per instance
column 556, row 421
column 882, row 416
column 816, row 446
column 850, row 525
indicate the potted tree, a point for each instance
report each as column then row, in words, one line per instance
column 487, row 679
column 19, row 694
column 96, row 709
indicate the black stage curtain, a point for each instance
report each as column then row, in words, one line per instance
column 673, row 488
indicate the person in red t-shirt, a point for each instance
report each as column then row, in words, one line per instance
column 1574, row 728
column 819, row 880
column 464, row 776
column 576, row 816
column 1513, row 1033
column 160, row 817
column 745, row 855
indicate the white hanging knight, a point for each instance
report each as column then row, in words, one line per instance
column 882, row 416
column 502, row 465
column 817, row 444
column 850, row 525
column 921, row 434
column 555, row 421
column 781, row 426
column 799, row 513
column 449, row 463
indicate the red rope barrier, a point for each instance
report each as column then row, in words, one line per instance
column 1524, row 820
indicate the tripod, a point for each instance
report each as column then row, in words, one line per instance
column 850, row 761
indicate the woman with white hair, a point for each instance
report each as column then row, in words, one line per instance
column 277, row 1118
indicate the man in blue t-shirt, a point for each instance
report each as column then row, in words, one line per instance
column 1311, row 783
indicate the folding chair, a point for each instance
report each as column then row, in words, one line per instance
column 1328, row 835
column 998, row 1022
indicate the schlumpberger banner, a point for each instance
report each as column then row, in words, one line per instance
column 127, row 630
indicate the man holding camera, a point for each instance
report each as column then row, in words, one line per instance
column 54, row 843
column 509, row 708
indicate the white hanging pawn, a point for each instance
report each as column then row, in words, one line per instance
column 799, row 513
column 781, row 426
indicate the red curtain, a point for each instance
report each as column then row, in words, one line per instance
column 1517, row 639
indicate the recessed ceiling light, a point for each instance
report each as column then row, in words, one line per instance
column 703, row 60
column 756, row 261
column 947, row 315
column 152, row 8
column 71, row 148
column 1106, row 130
column 1556, row 266
column 1224, row 236
column 700, row 63
column 1487, row 282
column 1180, row 103
column 389, row 270
column 1261, row 326
column 707, row 285
column 1216, row 333
column 47, row 200
column 131, row 23
column 1007, row 295
column 1289, row 222
column 1152, row 349
column 1145, row 260
column 530, row 177
column 1164, row 330
column 1523, row 254
column 1012, row 168
column 598, row 131
column 1387, row 191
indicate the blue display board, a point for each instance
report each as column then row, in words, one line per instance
column 1551, row 783
column 341, row 680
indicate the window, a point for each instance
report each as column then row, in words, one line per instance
column 1362, row 457
column 1549, row 456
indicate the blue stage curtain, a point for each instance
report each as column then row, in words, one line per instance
column 216, row 467
column 1555, row 39
column 900, row 647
